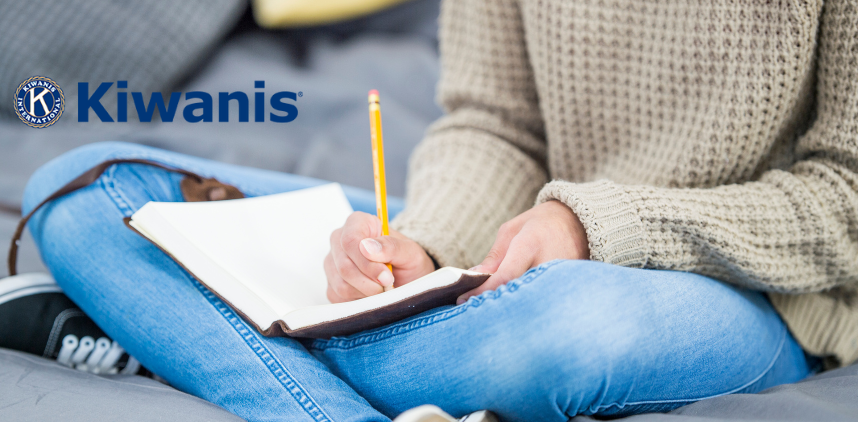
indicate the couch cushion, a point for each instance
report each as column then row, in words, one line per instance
column 830, row 396
column 37, row 389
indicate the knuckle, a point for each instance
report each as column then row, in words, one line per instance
column 340, row 265
column 359, row 221
column 340, row 290
column 329, row 293
column 328, row 263
column 391, row 247
column 349, row 271
column 493, row 254
column 353, row 217
column 351, row 239
column 363, row 266
column 343, row 290
column 506, row 227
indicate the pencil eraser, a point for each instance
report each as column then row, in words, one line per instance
column 373, row 92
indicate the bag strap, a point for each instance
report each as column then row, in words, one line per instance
column 194, row 187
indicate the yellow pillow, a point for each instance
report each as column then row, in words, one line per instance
column 291, row 13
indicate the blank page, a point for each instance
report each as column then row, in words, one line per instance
column 275, row 245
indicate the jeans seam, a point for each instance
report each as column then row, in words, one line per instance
column 732, row 391
column 268, row 359
column 405, row 327
column 114, row 191
column 274, row 366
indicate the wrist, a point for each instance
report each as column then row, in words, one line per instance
column 577, row 232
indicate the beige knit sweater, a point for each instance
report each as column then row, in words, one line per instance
column 718, row 137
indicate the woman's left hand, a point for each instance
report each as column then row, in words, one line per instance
column 546, row 232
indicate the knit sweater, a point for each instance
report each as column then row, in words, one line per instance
column 718, row 137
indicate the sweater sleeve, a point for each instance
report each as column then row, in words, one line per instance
column 788, row 231
column 491, row 140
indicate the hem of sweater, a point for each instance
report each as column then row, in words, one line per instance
column 822, row 325
column 614, row 229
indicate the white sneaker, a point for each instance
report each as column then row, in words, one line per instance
column 430, row 413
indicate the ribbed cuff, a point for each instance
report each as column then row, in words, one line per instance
column 615, row 232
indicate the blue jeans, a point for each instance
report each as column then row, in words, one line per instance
column 566, row 338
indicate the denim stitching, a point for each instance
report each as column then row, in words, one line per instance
column 405, row 327
column 111, row 187
column 733, row 391
column 299, row 394
column 273, row 364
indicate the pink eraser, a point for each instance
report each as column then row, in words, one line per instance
column 373, row 92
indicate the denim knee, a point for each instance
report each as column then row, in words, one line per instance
column 566, row 347
column 63, row 169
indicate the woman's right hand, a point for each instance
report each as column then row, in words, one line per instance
column 355, row 266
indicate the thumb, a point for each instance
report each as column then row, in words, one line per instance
column 513, row 266
column 391, row 250
column 496, row 255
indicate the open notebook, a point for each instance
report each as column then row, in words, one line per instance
column 263, row 256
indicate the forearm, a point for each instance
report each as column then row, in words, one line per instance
column 788, row 232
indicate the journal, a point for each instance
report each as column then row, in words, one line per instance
column 263, row 257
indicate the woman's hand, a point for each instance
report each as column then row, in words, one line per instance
column 546, row 232
column 355, row 266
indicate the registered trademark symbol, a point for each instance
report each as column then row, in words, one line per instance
column 300, row 93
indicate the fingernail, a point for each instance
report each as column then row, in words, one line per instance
column 372, row 246
column 475, row 268
column 385, row 278
column 461, row 300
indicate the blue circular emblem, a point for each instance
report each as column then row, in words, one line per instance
column 39, row 102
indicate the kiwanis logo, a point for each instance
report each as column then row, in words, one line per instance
column 39, row 102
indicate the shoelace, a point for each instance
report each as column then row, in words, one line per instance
column 96, row 356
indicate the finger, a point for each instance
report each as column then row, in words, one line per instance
column 338, row 289
column 506, row 233
column 333, row 278
column 358, row 227
column 350, row 273
column 398, row 252
column 332, row 296
column 517, row 261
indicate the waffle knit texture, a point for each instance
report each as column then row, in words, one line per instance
column 716, row 137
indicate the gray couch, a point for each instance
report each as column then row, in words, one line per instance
column 36, row 389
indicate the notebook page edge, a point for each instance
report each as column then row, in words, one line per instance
column 330, row 190
column 150, row 223
column 312, row 315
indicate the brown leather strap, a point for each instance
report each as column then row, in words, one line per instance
column 11, row 209
column 194, row 188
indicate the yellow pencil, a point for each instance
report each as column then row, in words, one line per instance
column 378, row 165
